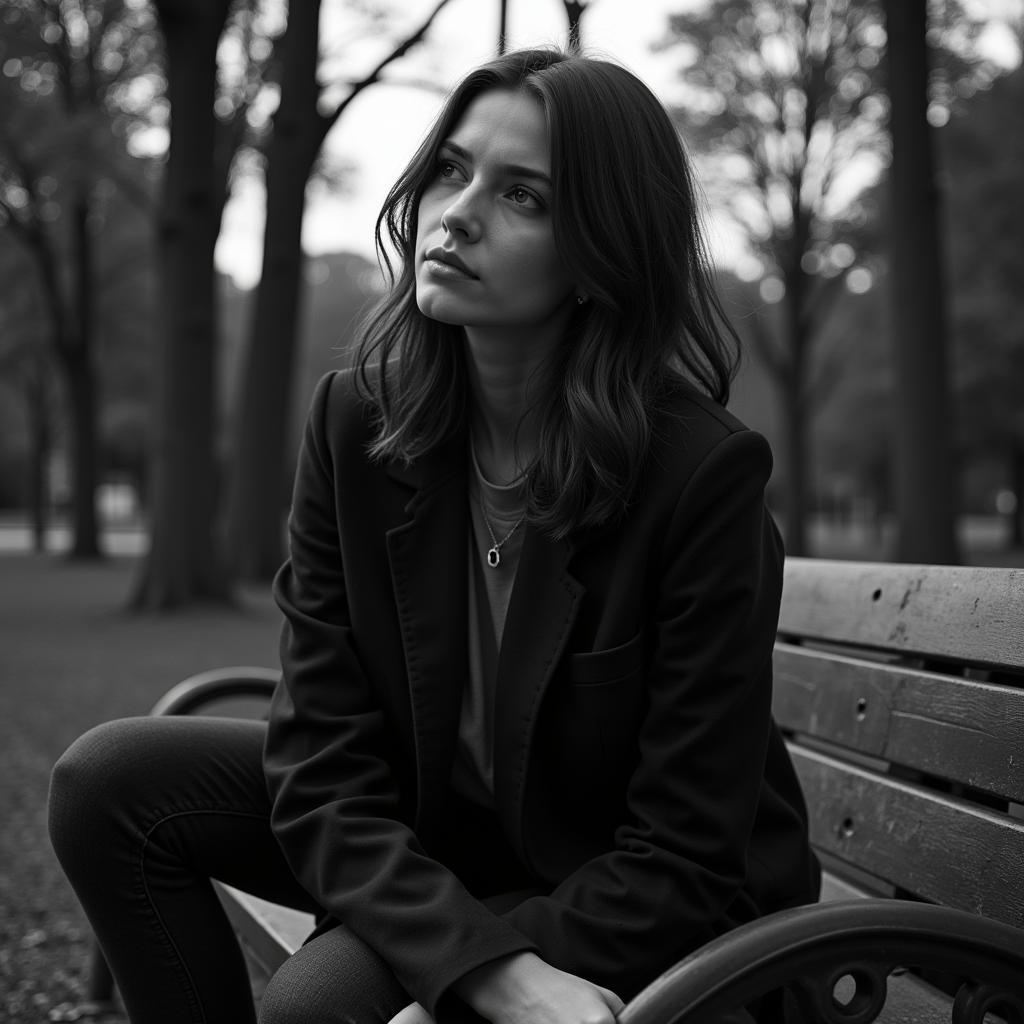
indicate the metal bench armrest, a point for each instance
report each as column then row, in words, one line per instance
column 191, row 694
column 810, row 949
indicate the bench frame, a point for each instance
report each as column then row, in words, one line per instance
column 879, row 669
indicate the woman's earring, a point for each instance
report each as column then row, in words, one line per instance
column 580, row 299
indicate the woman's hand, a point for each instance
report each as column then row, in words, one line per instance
column 412, row 1014
column 523, row 989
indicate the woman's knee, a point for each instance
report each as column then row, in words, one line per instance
column 93, row 782
column 334, row 979
column 288, row 996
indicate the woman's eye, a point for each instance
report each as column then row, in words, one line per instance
column 524, row 197
column 449, row 170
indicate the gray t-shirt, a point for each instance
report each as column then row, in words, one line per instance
column 490, row 589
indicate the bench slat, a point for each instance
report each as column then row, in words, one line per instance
column 967, row 615
column 955, row 729
column 271, row 932
column 937, row 848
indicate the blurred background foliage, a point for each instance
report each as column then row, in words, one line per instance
column 124, row 390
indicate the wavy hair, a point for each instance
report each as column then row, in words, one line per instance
column 626, row 224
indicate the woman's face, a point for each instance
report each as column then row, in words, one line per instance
column 485, row 245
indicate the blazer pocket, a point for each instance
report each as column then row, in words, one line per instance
column 592, row 727
column 608, row 666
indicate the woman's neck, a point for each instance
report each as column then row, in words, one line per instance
column 504, row 379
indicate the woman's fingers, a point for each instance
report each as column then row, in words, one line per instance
column 523, row 989
column 615, row 1004
column 412, row 1014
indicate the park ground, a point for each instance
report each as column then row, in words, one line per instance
column 71, row 656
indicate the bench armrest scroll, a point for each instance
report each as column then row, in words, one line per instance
column 810, row 949
column 191, row 694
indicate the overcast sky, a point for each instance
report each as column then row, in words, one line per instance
column 383, row 126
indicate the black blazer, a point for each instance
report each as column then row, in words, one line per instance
column 638, row 775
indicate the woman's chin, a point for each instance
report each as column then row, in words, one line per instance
column 439, row 307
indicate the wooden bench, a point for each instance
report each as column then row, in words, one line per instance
column 900, row 690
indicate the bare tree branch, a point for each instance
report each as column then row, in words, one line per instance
column 328, row 121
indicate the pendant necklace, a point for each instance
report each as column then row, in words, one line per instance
column 494, row 551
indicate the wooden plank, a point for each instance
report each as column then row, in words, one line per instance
column 840, row 880
column 940, row 849
column 271, row 932
column 965, row 614
column 835, row 888
column 956, row 729
column 912, row 1001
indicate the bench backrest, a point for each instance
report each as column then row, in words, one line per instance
column 901, row 693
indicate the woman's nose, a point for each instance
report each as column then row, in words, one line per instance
column 462, row 217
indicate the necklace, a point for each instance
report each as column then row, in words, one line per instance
column 494, row 551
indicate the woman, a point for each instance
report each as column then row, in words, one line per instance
column 522, row 757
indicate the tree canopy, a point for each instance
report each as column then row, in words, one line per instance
column 787, row 109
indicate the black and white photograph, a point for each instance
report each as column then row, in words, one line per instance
column 512, row 511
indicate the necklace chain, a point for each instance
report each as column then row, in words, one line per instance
column 494, row 551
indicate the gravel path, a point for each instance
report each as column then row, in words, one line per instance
column 71, row 657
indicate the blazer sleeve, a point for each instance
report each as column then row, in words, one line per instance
column 679, row 860
column 336, row 808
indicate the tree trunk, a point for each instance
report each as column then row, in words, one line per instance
column 795, row 419
column 259, row 487
column 502, row 27
column 183, row 564
column 80, row 371
column 794, row 439
column 41, row 440
column 924, row 486
column 574, row 11
column 71, row 333
column 793, row 372
column 81, row 379
column 783, row 362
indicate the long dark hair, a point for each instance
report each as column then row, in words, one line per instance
column 627, row 226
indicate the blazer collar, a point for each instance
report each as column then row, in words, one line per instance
column 429, row 570
column 543, row 609
column 427, row 555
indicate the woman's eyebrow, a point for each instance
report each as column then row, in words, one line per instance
column 518, row 170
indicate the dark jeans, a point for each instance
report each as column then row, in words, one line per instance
column 143, row 812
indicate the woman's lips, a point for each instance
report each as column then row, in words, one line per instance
column 447, row 264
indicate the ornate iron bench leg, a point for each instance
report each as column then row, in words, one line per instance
column 808, row 951
column 100, row 993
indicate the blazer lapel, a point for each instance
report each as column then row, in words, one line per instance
column 542, row 611
column 428, row 574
